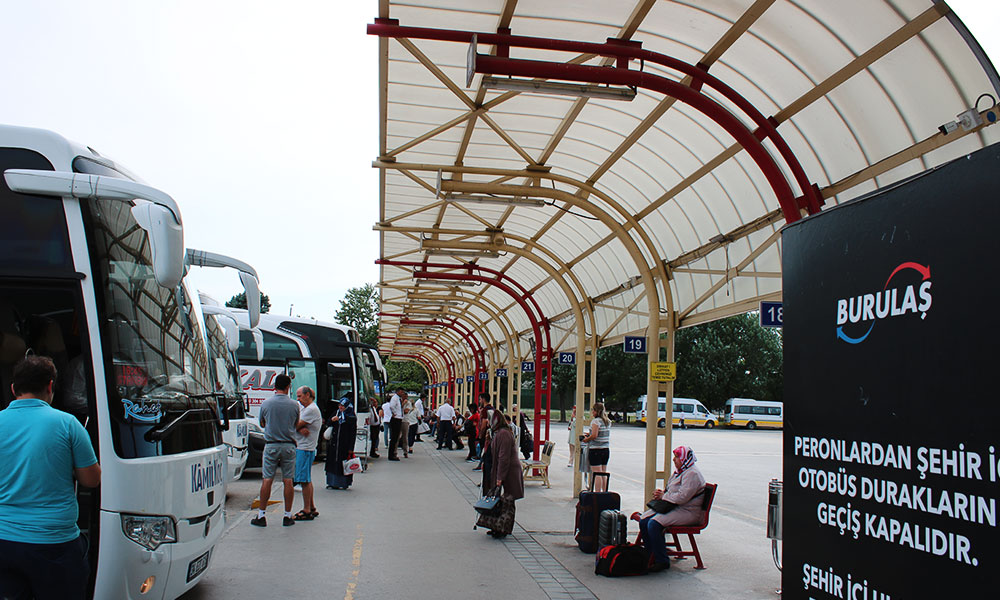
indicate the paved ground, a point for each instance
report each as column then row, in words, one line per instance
column 405, row 529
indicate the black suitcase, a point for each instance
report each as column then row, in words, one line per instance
column 588, row 513
column 612, row 529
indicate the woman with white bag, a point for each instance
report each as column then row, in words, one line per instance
column 340, row 450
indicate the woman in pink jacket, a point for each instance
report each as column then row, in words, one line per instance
column 684, row 489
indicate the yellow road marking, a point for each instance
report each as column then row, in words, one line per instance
column 356, row 564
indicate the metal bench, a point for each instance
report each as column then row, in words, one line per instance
column 690, row 530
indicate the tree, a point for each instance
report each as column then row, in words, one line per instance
column 733, row 357
column 406, row 374
column 621, row 377
column 359, row 309
column 240, row 301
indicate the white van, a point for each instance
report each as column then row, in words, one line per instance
column 688, row 412
column 749, row 413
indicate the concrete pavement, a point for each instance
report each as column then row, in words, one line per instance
column 405, row 529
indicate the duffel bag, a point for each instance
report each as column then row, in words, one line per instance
column 622, row 560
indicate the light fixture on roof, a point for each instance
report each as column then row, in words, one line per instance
column 450, row 283
column 501, row 200
column 558, row 88
column 433, row 302
column 467, row 253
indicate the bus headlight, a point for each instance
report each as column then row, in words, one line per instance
column 149, row 531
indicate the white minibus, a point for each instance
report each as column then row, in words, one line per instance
column 91, row 275
column 749, row 413
column 687, row 412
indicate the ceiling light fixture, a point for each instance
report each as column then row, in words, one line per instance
column 558, row 88
column 501, row 200
column 469, row 253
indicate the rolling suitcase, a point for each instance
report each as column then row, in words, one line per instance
column 588, row 514
column 612, row 529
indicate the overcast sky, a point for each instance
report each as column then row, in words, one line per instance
column 259, row 118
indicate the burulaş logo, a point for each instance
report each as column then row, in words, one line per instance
column 886, row 303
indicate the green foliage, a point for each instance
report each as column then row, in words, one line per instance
column 359, row 309
column 407, row 374
column 621, row 378
column 240, row 301
column 730, row 358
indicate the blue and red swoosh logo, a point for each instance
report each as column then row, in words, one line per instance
column 925, row 273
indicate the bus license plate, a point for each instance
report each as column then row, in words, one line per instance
column 197, row 566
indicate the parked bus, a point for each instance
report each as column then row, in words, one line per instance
column 327, row 357
column 91, row 274
column 223, row 335
column 745, row 412
column 687, row 412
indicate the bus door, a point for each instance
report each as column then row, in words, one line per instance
column 46, row 318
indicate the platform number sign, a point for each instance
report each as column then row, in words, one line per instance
column 567, row 358
column 771, row 314
column 635, row 344
column 501, row 372
column 469, row 379
column 528, row 366
column 458, row 380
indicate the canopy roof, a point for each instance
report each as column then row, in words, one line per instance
column 632, row 191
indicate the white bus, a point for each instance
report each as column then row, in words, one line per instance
column 327, row 357
column 687, row 412
column 223, row 341
column 223, row 338
column 91, row 266
column 749, row 413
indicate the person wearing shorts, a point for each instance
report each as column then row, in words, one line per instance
column 598, row 440
column 306, row 438
column 279, row 415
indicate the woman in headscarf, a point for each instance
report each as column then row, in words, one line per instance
column 343, row 429
column 505, row 472
column 684, row 489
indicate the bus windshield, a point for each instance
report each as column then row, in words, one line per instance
column 158, row 363
column 225, row 374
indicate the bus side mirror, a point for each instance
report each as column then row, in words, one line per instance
column 253, row 297
column 166, row 240
column 154, row 211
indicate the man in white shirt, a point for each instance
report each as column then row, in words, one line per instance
column 446, row 415
column 418, row 406
column 386, row 417
column 306, row 439
column 395, row 421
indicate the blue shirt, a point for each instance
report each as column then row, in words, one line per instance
column 39, row 448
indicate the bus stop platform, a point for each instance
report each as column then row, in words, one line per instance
column 405, row 529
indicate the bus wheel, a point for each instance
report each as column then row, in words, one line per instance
column 661, row 423
column 709, row 424
column 751, row 426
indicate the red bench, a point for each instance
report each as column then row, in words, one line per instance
column 690, row 530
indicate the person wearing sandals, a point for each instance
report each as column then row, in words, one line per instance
column 684, row 489
column 306, row 438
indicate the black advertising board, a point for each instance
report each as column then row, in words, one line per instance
column 891, row 442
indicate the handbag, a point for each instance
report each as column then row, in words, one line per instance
column 661, row 506
column 423, row 428
column 352, row 466
column 328, row 433
column 489, row 505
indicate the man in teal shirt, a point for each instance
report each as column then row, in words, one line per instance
column 42, row 450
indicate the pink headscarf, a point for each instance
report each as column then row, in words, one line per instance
column 686, row 456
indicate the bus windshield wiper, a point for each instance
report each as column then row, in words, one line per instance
column 155, row 435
